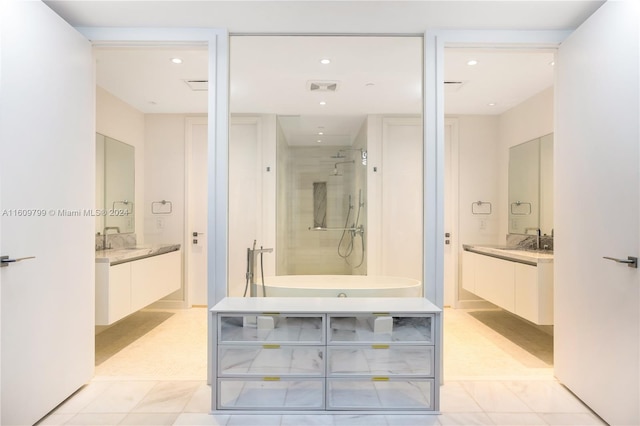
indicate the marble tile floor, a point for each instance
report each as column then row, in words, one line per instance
column 491, row 378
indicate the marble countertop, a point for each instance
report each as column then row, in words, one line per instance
column 532, row 257
column 325, row 304
column 122, row 255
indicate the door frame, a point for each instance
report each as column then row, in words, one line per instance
column 217, row 41
column 435, row 42
column 190, row 122
column 452, row 176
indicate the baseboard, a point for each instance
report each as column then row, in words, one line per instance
column 474, row 304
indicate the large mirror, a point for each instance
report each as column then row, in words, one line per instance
column 334, row 124
column 115, row 186
column 531, row 187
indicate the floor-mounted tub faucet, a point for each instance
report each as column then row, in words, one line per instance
column 251, row 265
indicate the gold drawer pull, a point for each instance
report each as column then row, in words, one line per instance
column 379, row 346
column 271, row 346
column 271, row 313
column 380, row 379
column 271, row 379
column 385, row 314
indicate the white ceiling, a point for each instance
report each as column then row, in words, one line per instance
column 270, row 74
column 374, row 75
column 322, row 16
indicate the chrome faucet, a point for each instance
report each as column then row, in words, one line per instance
column 251, row 265
column 538, row 234
column 104, row 235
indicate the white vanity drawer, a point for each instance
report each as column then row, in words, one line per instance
column 380, row 360
column 376, row 328
column 270, row 360
column 271, row 393
column 380, row 393
column 271, row 328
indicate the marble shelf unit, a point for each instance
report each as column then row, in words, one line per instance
column 324, row 355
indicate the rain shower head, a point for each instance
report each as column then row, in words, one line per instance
column 335, row 171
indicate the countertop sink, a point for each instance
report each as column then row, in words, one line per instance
column 128, row 254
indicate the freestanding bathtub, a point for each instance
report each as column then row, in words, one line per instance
column 339, row 286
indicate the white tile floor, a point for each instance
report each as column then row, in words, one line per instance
column 489, row 380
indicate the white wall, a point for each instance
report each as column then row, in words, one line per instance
column 478, row 157
column 165, row 180
column 478, row 165
column 394, row 196
column 119, row 120
column 252, row 195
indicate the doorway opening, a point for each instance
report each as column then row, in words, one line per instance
column 494, row 98
column 153, row 98
column 343, row 115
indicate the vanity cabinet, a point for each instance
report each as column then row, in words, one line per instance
column 525, row 289
column 325, row 354
column 130, row 286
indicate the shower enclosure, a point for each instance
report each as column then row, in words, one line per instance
column 321, row 209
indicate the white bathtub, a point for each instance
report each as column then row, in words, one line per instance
column 339, row 285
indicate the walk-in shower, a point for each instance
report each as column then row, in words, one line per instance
column 322, row 211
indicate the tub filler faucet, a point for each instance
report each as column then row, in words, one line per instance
column 251, row 265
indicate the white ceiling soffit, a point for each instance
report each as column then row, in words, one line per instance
column 314, row 130
column 338, row 16
column 271, row 75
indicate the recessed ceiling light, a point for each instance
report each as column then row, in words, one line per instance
column 472, row 62
column 323, row 103
column 321, row 133
column 552, row 63
column 176, row 60
column 492, row 104
column 319, row 141
column 325, row 61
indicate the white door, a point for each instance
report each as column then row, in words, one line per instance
column 197, row 210
column 47, row 177
column 597, row 214
column 450, row 214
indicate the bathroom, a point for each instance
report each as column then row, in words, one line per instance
column 573, row 245
column 377, row 135
column 166, row 139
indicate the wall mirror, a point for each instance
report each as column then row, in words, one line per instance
column 115, row 186
column 531, row 186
